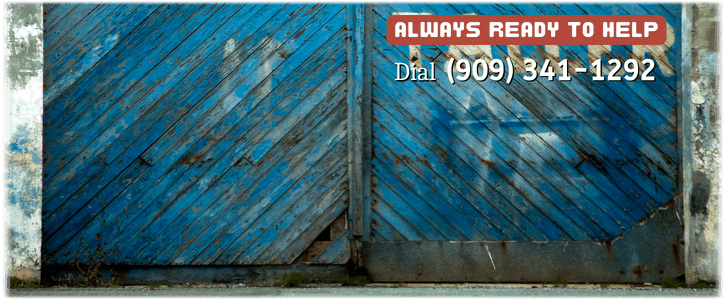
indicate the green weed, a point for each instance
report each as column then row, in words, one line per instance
column 557, row 282
column 16, row 283
column 291, row 280
column 700, row 284
column 354, row 281
column 673, row 283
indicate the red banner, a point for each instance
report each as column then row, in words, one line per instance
column 526, row 30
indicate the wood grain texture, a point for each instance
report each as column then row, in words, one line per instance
column 194, row 134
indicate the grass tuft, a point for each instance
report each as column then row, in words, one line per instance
column 291, row 280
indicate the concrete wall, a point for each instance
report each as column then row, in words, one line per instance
column 24, row 92
column 702, row 208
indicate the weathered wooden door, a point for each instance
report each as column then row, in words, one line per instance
column 527, row 181
column 195, row 134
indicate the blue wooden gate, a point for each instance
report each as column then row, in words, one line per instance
column 195, row 134
column 220, row 135
column 526, row 161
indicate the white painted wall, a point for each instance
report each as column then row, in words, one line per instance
column 23, row 96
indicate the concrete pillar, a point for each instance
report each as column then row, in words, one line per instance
column 700, row 86
column 24, row 102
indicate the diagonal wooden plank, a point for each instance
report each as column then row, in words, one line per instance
column 207, row 180
column 52, row 188
column 392, row 216
column 495, row 193
column 646, row 183
column 58, row 13
column 119, row 23
column 81, row 27
column 88, row 212
column 212, row 244
column 57, row 30
column 520, row 200
column 568, row 86
column 63, row 92
column 262, row 194
column 436, row 210
column 131, row 151
column 97, row 182
column 543, row 163
column 251, row 99
column 74, row 162
column 502, row 157
column 336, row 249
column 408, row 208
column 513, row 105
column 476, row 212
column 344, row 255
column 129, row 68
column 239, row 183
column 181, row 179
column 294, row 249
column 661, row 92
column 381, row 230
column 457, row 210
column 189, row 175
column 86, row 141
column 288, row 213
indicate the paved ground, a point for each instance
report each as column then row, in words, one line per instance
column 375, row 290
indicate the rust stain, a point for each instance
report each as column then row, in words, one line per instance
column 283, row 55
column 299, row 33
column 385, row 155
column 426, row 160
column 487, row 162
column 187, row 161
column 442, row 152
column 207, row 160
column 650, row 215
column 669, row 204
column 609, row 247
column 640, row 270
